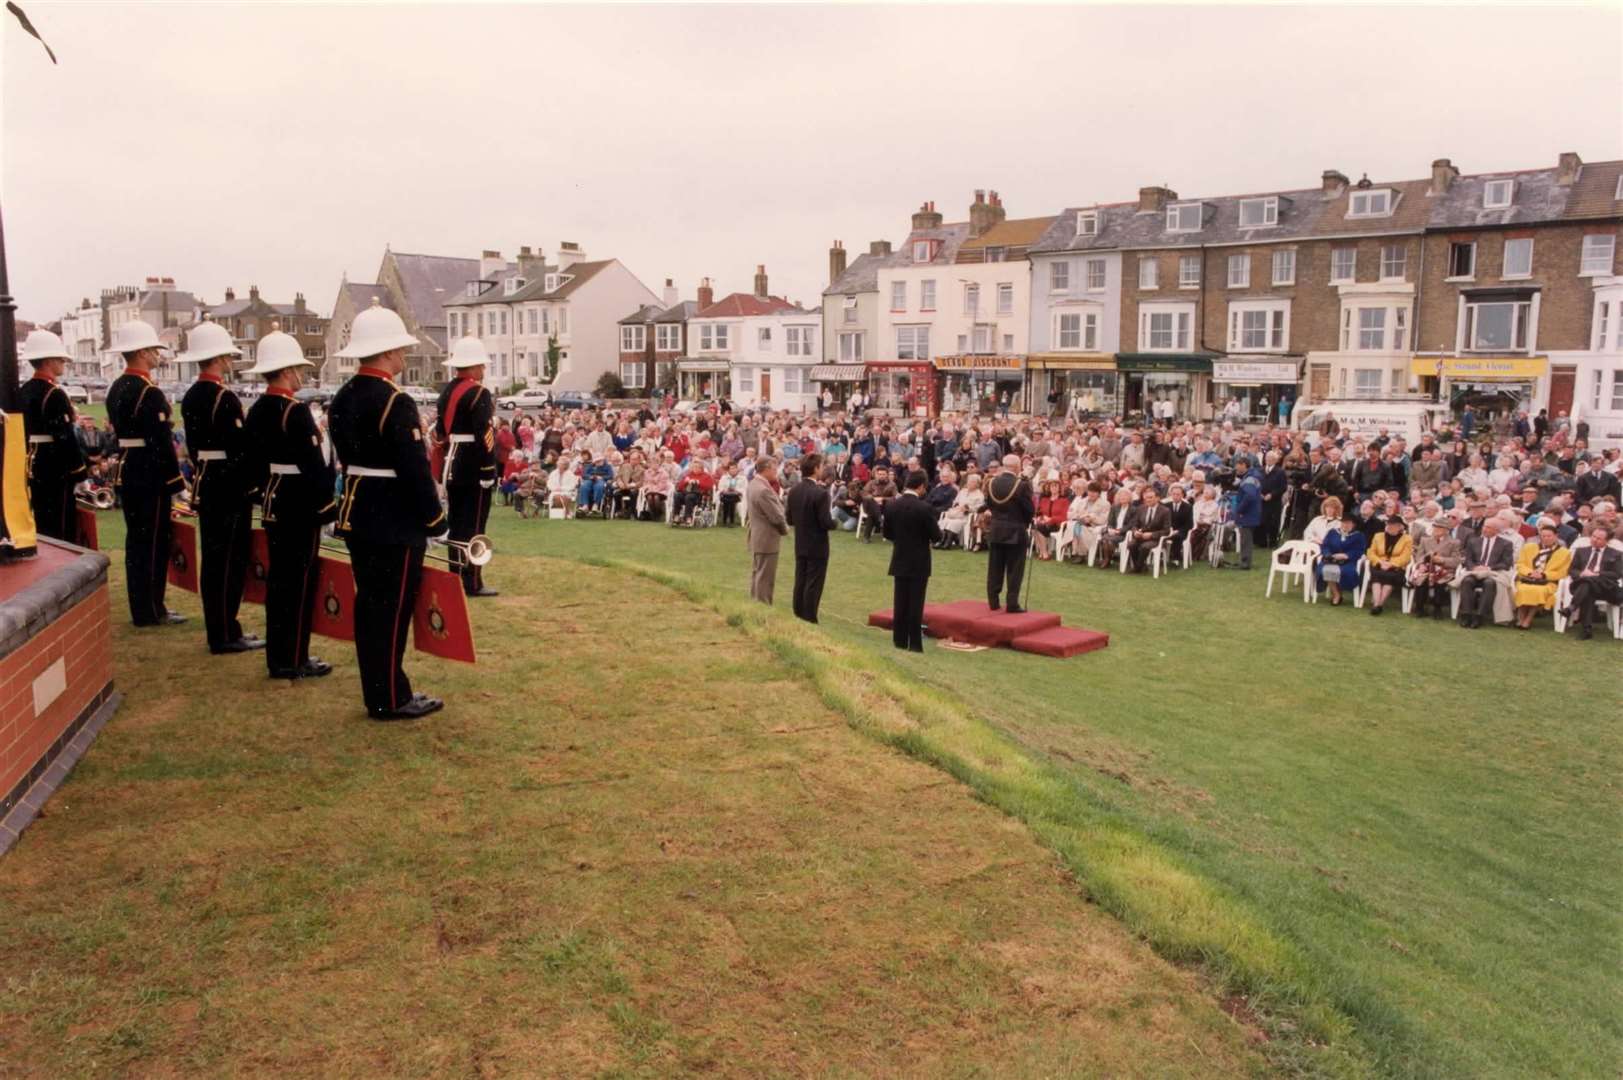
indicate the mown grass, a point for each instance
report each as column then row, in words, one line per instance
column 1400, row 838
column 616, row 853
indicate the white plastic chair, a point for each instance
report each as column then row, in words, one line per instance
column 1363, row 582
column 1612, row 613
column 1293, row 558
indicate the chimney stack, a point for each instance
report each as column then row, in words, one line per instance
column 707, row 294
column 490, row 264
column 253, row 292
column 926, row 217
column 569, row 253
column 230, row 294
column 984, row 213
column 1155, row 199
column 760, row 282
column 1567, row 169
column 1443, row 174
column 1334, row 182
column 298, row 303
column 879, row 247
column 670, row 296
column 531, row 263
column 836, row 261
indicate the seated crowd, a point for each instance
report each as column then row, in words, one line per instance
column 1429, row 517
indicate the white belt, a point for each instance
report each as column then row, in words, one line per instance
column 460, row 438
column 211, row 455
column 361, row 470
column 41, row 439
column 279, row 469
column 131, row 444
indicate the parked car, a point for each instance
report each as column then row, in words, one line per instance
column 422, row 395
column 313, row 395
column 77, row 393
column 525, row 399
column 577, row 399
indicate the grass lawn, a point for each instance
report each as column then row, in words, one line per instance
column 1402, row 838
column 617, row 853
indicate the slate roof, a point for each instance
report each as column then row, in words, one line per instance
column 680, row 312
column 360, row 295
column 1410, row 211
column 578, row 275
column 743, row 304
column 230, row 307
column 1537, row 198
column 430, row 281
column 177, row 300
column 861, row 275
column 644, row 314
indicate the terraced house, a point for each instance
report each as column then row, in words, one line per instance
column 851, row 317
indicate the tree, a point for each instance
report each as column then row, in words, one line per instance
column 554, row 355
column 609, row 386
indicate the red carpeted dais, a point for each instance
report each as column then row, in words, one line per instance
column 974, row 622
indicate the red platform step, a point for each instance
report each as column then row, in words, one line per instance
column 1060, row 641
column 972, row 621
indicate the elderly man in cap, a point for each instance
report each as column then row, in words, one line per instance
column 465, row 427
column 148, row 474
column 388, row 510
column 56, row 461
column 221, row 487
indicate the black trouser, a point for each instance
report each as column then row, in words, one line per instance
column 146, row 552
column 386, row 580
column 907, row 612
column 1272, row 512
column 1005, row 563
column 1423, row 595
column 290, row 592
column 223, row 545
column 469, row 514
column 56, row 510
column 1476, row 596
column 1585, row 593
column 687, row 502
column 809, row 576
column 729, row 508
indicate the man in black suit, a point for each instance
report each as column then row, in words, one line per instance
column 1181, row 513
column 1153, row 523
column 910, row 525
column 1597, row 575
column 1009, row 502
column 808, row 513
column 1485, row 555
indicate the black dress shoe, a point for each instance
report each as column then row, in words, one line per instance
column 1015, row 609
column 314, row 668
column 915, row 648
column 242, row 644
column 994, row 605
column 171, row 618
column 420, row 705
column 485, row 590
column 1585, row 633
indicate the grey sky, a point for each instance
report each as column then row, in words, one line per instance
column 281, row 144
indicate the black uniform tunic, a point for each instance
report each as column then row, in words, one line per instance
column 1008, row 497
column 386, row 512
column 221, row 490
column 286, row 463
column 56, row 462
column 470, row 468
column 148, row 477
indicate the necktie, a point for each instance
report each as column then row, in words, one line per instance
column 1594, row 559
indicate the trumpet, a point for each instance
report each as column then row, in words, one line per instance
column 476, row 551
column 182, row 506
column 95, row 498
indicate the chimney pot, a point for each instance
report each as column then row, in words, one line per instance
column 760, row 281
column 926, row 217
column 229, row 294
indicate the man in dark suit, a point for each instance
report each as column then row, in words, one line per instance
column 1485, row 555
column 1009, row 502
column 910, row 525
column 1154, row 522
column 808, row 514
column 1597, row 575
column 1181, row 514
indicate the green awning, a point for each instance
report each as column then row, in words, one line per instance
column 1192, row 363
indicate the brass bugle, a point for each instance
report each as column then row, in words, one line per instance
column 476, row 550
column 95, row 498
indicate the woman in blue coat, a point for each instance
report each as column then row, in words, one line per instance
column 1338, row 557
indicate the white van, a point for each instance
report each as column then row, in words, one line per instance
column 1363, row 417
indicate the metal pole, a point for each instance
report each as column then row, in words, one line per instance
column 10, row 397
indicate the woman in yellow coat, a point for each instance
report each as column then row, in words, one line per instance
column 1389, row 555
column 1539, row 570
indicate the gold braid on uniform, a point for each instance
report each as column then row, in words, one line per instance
column 990, row 494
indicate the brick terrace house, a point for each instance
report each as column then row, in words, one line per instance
column 649, row 348
column 249, row 318
column 1509, row 294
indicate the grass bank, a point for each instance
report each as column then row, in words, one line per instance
column 1400, row 837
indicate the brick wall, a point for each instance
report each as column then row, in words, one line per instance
column 81, row 641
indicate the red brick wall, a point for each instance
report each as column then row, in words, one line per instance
column 83, row 639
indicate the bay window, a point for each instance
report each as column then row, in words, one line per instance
column 1497, row 324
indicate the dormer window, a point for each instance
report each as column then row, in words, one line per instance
column 1087, row 223
column 1185, row 217
column 1255, row 213
column 473, row 288
column 1372, row 202
column 512, row 285
column 551, row 282
column 996, row 254
column 921, row 251
column 1496, row 194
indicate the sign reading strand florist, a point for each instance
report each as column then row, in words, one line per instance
column 1482, row 367
column 980, row 362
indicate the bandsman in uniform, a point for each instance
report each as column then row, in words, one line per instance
column 56, row 462
column 1009, row 502
column 288, row 465
column 148, row 472
column 388, row 508
column 465, row 427
column 221, row 486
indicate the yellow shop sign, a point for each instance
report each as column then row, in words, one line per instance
column 1482, row 367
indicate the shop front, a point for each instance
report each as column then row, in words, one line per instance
column 1496, row 387
column 1256, row 386
column 1173, row 386
column 841, row 380
column 903, row 389
column 702, row 379
column 981, row 385
column 1068, row 384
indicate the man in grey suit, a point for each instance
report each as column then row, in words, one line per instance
column 1485, row 556
column 767, row 528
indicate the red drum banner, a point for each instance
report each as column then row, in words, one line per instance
column 440, row 625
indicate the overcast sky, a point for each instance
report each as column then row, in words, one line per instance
column 284, row 144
